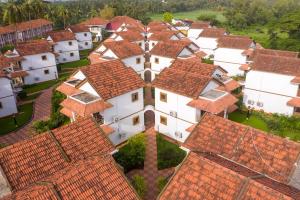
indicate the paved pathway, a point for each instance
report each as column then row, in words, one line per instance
column 42, row 110
column 150, row 171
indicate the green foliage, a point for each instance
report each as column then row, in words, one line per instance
column 167, row 17
column 161, row 182
column 211, row 17
column 107, row 12
column 2, row 145
column 289, row 23
column 6, row 48
column 22, row 94
column 168, row 154
column 139, row 185
column 132, row 155
column 207, row 61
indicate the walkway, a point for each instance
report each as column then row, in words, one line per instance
column 150, row 171
column 42, row 110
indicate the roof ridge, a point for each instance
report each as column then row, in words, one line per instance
column 60, row 148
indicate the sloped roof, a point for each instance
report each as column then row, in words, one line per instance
column 163, row 35
column 124, row 49
column 33, row 47
column 63, row 35
column 212, row 32
column 95, row 178
column 29, row 161
column 95, row 21
column 170, row 49
column 131, row 36
column 245, row 145
column 276, row 64
column 112, row 78
column 235, row 42
column 200, row 25
column 208, row 176
column 273, row 52
column 23, row 26
column 181, row 82
column 78, row 28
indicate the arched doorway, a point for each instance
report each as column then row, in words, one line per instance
column 147, row 76
column 149, row 117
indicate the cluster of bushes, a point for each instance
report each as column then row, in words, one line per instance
column 138, row 182
column 210, row 17
column 168, row 154
column 161, row 182
column 132, row 155
column 56, row 118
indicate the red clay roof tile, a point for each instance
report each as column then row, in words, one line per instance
column 124, row 49
column 235, row 42
column 64, row 35
column 34, row 47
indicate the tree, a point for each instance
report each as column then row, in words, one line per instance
column 168, row 17
column 290, row 23
column 107, row 12
column 64, row 14
column 12, row 12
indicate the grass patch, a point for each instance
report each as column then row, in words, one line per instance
column 132, row 155
column 139, row 184
column 168, row 154
column 161, row 182
column 31, row 97
column 39, row 86
column 84, row 53
column 23, row 117
column 192, row 15
column 75, row 64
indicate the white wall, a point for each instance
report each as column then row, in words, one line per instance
column 163, row 63
column 82, row 40
column 194, row 33
column 35, row 67
column 7, row 98
column 273, row 90
column 185, row 52
column 152, row 44
column 131, row 62
column 64, row 50
column 89, row 89
column 207, row 45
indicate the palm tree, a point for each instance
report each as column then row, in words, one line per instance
column 63, row 13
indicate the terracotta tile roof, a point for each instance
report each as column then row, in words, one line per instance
column 107, row 129
column 245, row 67
column 276, row 64
column 170, row 49
column 64, row 35
column 95, row 21
column 34, row 47
column 16, row 74
column 294, row 102
column 194, row 65
column 112, row 78
column 200, row 54
column 7, row 61
column 67, row 112
column 124, row 49
column 117, row 21
column 296, row 80
column 273, row 52
column 31, row 160
column 78, row 28
column 230, row 85
column 212, row 32
column 158, row 27
column 246, row 146
column 95, row 178
column 23, row 26
column 85, row 109
column 67, row 89
column 208, row 176
column 181, row 82
column 163, row 35
column 214, row 107
column 200, row 25
column 131, row 36
column 235, row 42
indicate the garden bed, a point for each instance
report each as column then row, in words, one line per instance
column 168, row 154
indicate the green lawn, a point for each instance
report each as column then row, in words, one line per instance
column 39, row 86
column 75, row 64
column 84, row 53
column 168, row 154
column 23, row 117
column 31, row 97
column 191, row 15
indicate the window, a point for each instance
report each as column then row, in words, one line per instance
column 134, row 97
column 86, row 43
column 163, row 120
column 163, row 97
column 156, row 60
column 71, row 54
column 140, row 44
column 138, row 60
column 85, row 34
column 153, row 44
column 260, row 104
column 136, row 120
column 44, row 57
column 1, row 106
column 250, row 102
column 46, row 71
column 70, row 43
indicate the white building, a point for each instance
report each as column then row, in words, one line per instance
column 8, row 105
column 96, row 26
column 183, row 93
column 130, row 54
column 208, row 40
column 38, row 61
column 196, row 28
column 83, row 36
column 272, row 85
column 232, row 53
column 112, row 93
column 65, row 45
column 164, row 53
column 130, row 36
column 118, row 23
column 155, row 37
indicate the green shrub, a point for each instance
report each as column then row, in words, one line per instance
column 168, row 154
column 139, row 185
column 210, row 17
column 22, row 94
column 207, row 61
column 2, row 145
column 132, row 155
column 6, row 48
column 161, row 183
